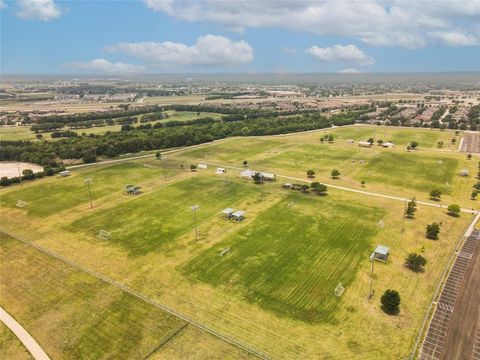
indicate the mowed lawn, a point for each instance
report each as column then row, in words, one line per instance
column 151, row 220
column 235, row 150
column 74, row 315
column 51, row 196
column 426, row 138
column 290, row 258
column 410, row 170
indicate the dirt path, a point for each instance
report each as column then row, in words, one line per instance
column 22, row 334
column 461, row 333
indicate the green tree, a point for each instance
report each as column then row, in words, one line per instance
column 335, row 174
column 415, row 262
column 411, row 209
column 304, row 188
column 4, row 181
column 362, row 183
column 39, row 136
column 257, row 178
column 310, row 173
column 379, row 141
column 390, row 301
column 245, row 163
column 474, row 194
column 330, row 138
column 158, row 155
column 371, row 141
column 319, row 189
column 28, row 174
column 433, row 230
column 413, row 145
column 453, row 210
column 435, row 194
column 193, row 167
column 440, row 144
column 469, row 156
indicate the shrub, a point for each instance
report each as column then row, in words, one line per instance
column 415, row 262
column 390, row 301
column 453, row 210
column 433, row 230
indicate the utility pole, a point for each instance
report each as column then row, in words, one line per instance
column 194, row 210
column 95, row 152
column 19, row 174
column 88, row 181
column 371, row 279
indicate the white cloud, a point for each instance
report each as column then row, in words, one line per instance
column 209, row 50
column 455, row 38
column 375, row 22
column 349, row 71
column 348, row 54
column 2, row 4
column 44, row 10
column 288, row 50
column 105, row 66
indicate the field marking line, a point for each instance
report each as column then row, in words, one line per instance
column 132, row 292
column 441, row 283
column 27, row 340
column 338, row 187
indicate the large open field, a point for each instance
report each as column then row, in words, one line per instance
column 273, row 290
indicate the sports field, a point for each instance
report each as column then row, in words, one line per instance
column 390, row 171
column 272, row 291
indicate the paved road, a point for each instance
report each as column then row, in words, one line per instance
column 392, row 197
column 22, row 334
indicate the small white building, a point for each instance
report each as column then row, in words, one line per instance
column 464, row 172
column 64, row 173
column 202, row 166
column 220, row 171
column 380, row 253
column 364, row 144
column 248, row 174
column 388, row 144
column 238, row 215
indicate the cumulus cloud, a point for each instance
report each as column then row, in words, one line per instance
column 349, row 71
column 209, row 50
column 105, row 66
column 348, row 54
column 375, row 22
column 2, row 4
column 455, row 38
column 44, row 10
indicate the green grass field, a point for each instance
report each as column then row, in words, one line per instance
column 273, row 290
column 66, row 193
column 73, row 314
column 290, row 259
column 149, row 221
column 11, row 347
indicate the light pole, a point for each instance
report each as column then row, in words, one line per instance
column 19, row 174
column 194, row 210
column 95, row 152
column 88, row 181
column 370, row 295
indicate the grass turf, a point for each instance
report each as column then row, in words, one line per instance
column 73, row 314
column 146, row 222
column 66, row 193
column 291, row 258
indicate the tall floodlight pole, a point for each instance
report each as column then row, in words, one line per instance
column 95, row 152
column 194, row 210
column 88, row 181
column 19, row 175
column 370, row 295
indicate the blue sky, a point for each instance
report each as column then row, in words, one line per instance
column 48, row 36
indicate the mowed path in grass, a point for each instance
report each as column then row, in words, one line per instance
column 74, row 315
column 148, row 221
column 291, row 258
